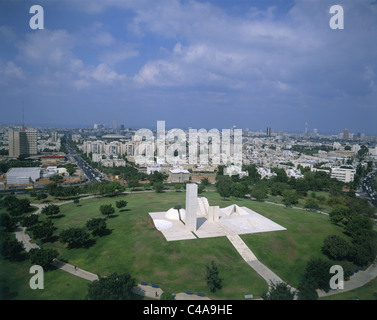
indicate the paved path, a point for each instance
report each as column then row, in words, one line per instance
column 74, row 270
column 25, row 239
column 250, row 257
column 357, row 280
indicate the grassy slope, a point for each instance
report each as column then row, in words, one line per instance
column 137, row 247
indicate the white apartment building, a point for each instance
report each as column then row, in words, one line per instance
column 342, row 174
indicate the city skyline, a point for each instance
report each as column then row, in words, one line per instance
column 210, row 64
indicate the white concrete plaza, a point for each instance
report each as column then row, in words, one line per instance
column 228, row 221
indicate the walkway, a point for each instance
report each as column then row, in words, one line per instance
column 143, row 290
column 357, row 280
column 252, row 260
column 25, row 239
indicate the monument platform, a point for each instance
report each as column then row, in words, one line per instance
column 231, row 220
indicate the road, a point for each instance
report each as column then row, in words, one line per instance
column 92, row 174
column 367, row 190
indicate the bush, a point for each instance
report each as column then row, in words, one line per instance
column 167, row 295
column 278, row 291
column 212, row 277
column 318, row 271
column 113, row 287
column 75, row 237
column 336, row 247
column 42, row 257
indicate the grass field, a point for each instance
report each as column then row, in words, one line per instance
column 135, row 246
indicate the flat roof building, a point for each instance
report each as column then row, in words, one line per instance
column 23, row 175
column 343, row 174
column 22, row 143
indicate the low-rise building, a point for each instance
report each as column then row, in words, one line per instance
column 178, row 175
column 343, row 174
column 23, row 175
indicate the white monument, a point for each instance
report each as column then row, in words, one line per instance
column 191, row 206
column 200, row 220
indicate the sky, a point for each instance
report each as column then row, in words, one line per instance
column 192, row 63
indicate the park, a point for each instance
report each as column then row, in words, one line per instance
column 133, row 245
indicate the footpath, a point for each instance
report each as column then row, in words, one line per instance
column 357, row 280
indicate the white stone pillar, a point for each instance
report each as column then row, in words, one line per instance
column 191, row 206
column 216, row 213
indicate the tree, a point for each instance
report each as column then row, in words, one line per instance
column 278, row 291
column 42, row 257
column 254, row 175
column 15, row 206
column 107, row 209
column 30, row 220
column 258, row 193
column 311, row 204
column 41, row 196
column 201, row 189
column 335, row 247
column 281, row 175
column 363, row 151
column 133, row 183
column 51, row 210
column 10, row 248
column 158, row 187
column 76, row 201
column 277, row 188
column 290, row 197
column 121, row 204
column 212, row 277
column 204, row 182
column 157, row 177
column 358, row 225
column 75, row 237
column 113, row 287
column 112, row 188
column 239, row 190
column 8, row 222
column 97, row 226
column 317, row 271
column 44, row 231
column 223, row 186
column 307, row 290
column 339, row 213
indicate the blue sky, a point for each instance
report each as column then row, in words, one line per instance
column 210, row 64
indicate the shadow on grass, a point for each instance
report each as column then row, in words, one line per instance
column 6, row 294
column 87, row 244
column 57, row 216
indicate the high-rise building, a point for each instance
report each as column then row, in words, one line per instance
column 268, row 131
column 346, row 134
column 22, row 143
column 54, row 136
column 14, row 143
column 114, row 124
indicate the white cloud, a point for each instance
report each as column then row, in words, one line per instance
column 118, row 53
column 102, row 73
column 12, row 71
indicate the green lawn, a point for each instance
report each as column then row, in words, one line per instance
column 135, row 246
column 366, row 292
column 15, row 277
